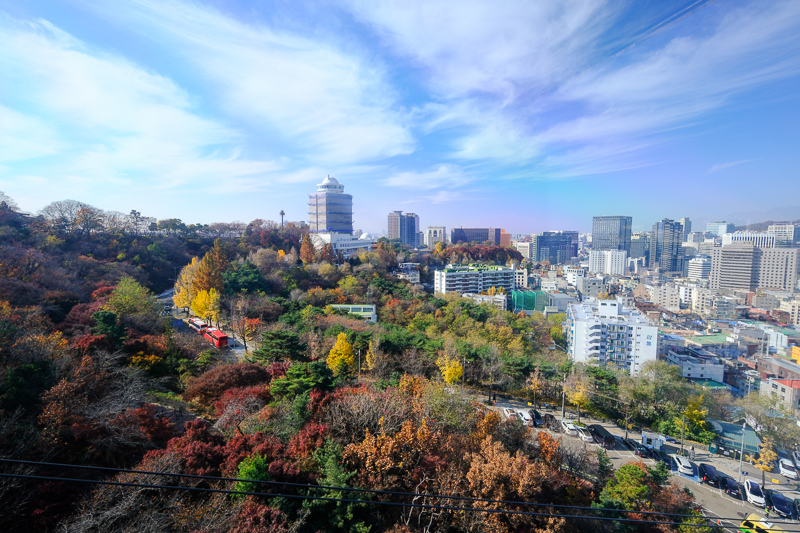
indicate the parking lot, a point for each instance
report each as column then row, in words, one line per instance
column 716, row 504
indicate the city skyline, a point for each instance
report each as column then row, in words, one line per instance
column 529, row 118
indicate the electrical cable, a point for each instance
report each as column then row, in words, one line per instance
column 328, row 487
column 348, row 500
column 341, row 489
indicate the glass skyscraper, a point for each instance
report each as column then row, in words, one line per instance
column 330, row 210
column 612, row 233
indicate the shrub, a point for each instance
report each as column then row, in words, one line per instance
column 210, row 386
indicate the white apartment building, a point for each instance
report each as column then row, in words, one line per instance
column 435, row 234
column 472, row 278
column 527, row 249
column 787, row 391
column 699, row 268
column 793, row 308
column 611, row 262
column 521, row 278
column 756, row 238
column 498, row 301
column 696, row 363
column 665, row 296
column 605, row 333
column 572, row 274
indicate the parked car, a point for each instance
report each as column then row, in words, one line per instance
column 708, row 474
column 638, row 448
column 684, row 465
column 670, row 439
column 585, row 434
column 787, row 468
column 569, row 428
column 509, row 413
column 551, row 421
column 525, row 416
column 537, row 418
column 778, row 503
column 753, row 493
column 730, row 486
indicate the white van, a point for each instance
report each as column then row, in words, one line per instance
column 684, row 465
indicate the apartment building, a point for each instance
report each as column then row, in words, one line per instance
column 605, row 333
column 472, row 278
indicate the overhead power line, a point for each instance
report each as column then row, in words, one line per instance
column 351, row 500
column 340, row 489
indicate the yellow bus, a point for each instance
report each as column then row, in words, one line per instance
column 758, row 524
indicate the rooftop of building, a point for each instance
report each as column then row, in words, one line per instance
column 589, row 309
column 476, row 267
column 791, row 383
column 705, row 340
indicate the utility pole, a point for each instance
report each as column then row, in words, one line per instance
column 683, row 424
column 741, row 453
column 359, row 359
column 463, row 370
column 563, row 395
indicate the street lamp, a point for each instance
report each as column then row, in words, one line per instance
column 741, row 454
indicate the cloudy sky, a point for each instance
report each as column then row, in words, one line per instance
column 524, row 115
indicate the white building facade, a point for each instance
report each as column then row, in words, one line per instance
column 611, row 262
column 605, row 333
column 472, row 278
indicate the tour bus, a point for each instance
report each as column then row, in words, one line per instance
column 197, row 324
column 216, row 337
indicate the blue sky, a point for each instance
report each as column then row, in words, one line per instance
column 529, row 116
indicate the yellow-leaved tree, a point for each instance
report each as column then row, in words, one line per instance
column 578, row 393
column 451, row 369
column 535, row 383
column 766, row 458
column 185, row 290
column 340, row 358
column 370, row 357
column 206, row 305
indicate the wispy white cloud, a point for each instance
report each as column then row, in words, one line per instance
column 723, row 166
column 111, row 121
column 441, row 176
column 331, row 106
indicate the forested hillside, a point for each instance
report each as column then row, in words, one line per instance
column 93, row 373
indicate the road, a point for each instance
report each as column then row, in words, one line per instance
column 236, row 351
column 715, row 503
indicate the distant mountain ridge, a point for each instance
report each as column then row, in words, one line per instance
column 762, row 226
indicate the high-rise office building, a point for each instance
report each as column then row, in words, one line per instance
column 686, row 222
column 558, row 247
column 404, row 227
column 760, row 239
column 611, row 233
column 475, row 235
column 720, row 228
column 699, row 268
column 527, row 249
column 330, row 213
column 665, row 246
column 435, row 234
column 640, row 244
column 786, row 235
column 330, row 210
column 744, row 266
column 611, row 262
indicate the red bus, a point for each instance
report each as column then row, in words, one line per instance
column 216, row 337
column 197, row 325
